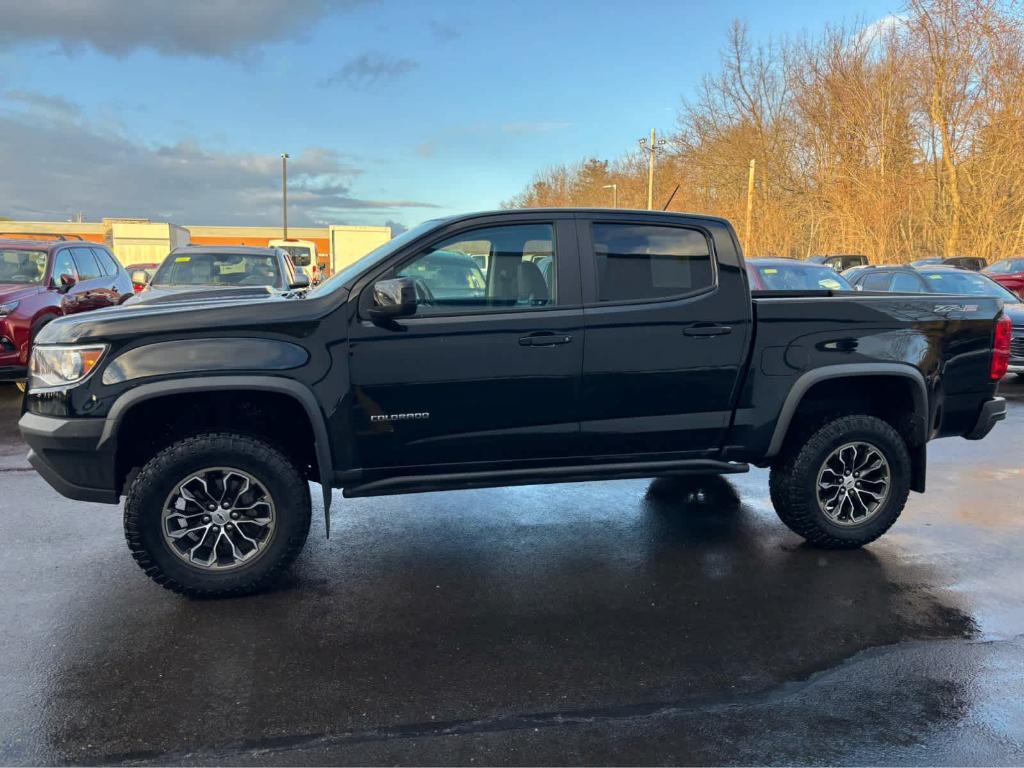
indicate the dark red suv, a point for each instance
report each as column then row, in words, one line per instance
column 43, row 279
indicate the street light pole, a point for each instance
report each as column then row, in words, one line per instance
column 284, row 191
column 654, row 146
column 615, row 193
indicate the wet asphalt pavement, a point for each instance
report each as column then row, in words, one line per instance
column 631, row 622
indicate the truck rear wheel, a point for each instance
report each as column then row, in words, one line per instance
column 845, row 485
column 217, row 514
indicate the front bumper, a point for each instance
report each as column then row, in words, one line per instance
column 993, row 411
column 9, row 373
column 72, row 457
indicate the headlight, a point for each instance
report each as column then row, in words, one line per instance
column 60, row 366
column 6, row 309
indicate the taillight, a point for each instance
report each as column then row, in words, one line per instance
column 1001, row 348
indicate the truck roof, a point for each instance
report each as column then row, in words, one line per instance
column 588, row 211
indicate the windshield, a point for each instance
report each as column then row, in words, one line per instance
column 925, row 262
column 1006, row 266
column 967, row 284
column 217, row 269
column 800, row 277
column 374, row 257
column 24, row 267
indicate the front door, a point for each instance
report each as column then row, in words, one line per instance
column 487, row 371
column 666, row 335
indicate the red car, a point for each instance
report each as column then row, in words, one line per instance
column 41, row 280
column 141, row 274
column 1009, row 273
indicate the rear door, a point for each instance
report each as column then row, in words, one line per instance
column 667, row 328
column 488, row 370
column 92, row 291
column 117, row 285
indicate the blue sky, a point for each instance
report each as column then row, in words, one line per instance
column 392, row 111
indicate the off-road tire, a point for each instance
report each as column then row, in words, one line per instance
column 794, row 475
column 155, row 481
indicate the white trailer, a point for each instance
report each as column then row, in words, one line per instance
column 146, row 242
column 351, row 243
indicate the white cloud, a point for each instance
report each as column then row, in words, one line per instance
column 56, row 163
column 216, row 28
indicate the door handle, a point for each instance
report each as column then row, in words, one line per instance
column 707, row 329
column 544, row 339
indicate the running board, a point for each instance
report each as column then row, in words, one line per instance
column 536, row 476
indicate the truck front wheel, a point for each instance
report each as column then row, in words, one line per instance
column 217, row 514
column 845, row 485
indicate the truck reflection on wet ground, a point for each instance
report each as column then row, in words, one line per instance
column 668, row 620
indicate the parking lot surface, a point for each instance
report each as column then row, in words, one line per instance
column 629, row 622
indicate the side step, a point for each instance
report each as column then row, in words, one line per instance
column 537, row 476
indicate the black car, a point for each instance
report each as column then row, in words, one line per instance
column 592, row 344
column 972, row 263
column 193, row 270
column 951, row 280
column 840, row 262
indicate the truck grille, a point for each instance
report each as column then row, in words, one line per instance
column 1017, row 347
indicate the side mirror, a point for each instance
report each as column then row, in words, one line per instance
column 393, row 298
column 301, row 280
column 67, row 282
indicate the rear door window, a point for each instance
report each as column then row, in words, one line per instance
column 877, row 282
column 106, row 261
column 903, row 282
column 88, row 269
column 641, row 262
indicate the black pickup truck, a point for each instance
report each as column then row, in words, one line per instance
column 495, row 349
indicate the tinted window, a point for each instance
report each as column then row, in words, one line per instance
column 904, row 283
column 511, row 266
column 18, row 266
column 967, row 283
column 217, row 269
column 88, row 269
column 877, row 282
column 635, row 262
column 1006, row 266
column 106, row 261
column 64, row 265
column 800, row 277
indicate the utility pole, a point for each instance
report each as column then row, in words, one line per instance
column 284, row 192
column 615, row 193
column 750, row 208
column 651, row 148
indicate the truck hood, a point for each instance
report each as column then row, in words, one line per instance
column 188, row 315
column 16, row 291
column 161, row 295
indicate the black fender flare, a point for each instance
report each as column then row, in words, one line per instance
column 290, row 387
column 848, row 370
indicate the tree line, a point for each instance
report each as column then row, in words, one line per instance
column 898, row 139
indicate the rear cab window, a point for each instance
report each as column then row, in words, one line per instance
column 648, row 262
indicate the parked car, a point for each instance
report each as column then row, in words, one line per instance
column 43, row 279
column 646, row 356
column 141, row 274
column 792, row 275
column 940, row 278
column 973, row 263
column 951, row 280
column 840, row 262
column 1008, row 273
column 191, row 271
column 931, row 261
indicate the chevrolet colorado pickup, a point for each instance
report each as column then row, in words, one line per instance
column 497, row 349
